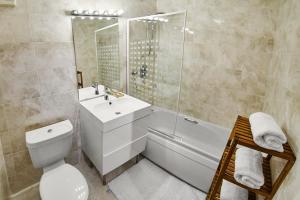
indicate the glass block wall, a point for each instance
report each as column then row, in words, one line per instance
column 143, row 57
column 107, row 40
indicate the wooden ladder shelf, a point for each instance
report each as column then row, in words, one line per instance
column 241, row 135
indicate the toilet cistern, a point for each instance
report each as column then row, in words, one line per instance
column 48, row 146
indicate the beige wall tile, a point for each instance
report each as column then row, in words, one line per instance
column 283, row 94
column 20, row 171
column 14, row 28
column 226, row 58
column 50, row 28
column 44, row 6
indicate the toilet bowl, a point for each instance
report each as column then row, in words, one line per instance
column 48, row 146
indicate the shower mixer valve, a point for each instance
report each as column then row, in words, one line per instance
column 134, row 73
column 143, row 71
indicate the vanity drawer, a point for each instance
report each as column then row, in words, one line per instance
column 124, row 135
column 122, row 155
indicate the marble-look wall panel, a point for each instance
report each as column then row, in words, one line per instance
column 226, row 57
column 283, row 93
column 38, row 77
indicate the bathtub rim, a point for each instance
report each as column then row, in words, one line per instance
column 189, row 153
column 179, row 141
column 178, row 114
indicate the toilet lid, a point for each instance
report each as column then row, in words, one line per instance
column 63, row 183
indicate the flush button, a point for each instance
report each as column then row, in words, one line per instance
column 49, row 130
column 117, row 113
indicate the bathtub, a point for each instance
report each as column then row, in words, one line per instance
column 188, row 148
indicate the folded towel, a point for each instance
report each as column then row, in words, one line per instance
column 248, row 168
column 266, row 132
column 230, row 191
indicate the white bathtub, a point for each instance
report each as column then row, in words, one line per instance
column 191, row 150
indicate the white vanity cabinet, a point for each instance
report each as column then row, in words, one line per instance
column 112, row 134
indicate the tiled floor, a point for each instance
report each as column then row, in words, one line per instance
column 97, row 191
column 147, row 181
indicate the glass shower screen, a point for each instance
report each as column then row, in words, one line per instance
column 154, row 63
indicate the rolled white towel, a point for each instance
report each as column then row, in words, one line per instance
column 266, row 132
column 248, row 168
column 230, row 191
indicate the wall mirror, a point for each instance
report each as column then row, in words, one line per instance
column 96, row 44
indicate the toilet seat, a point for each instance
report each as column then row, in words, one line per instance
column 63, row 183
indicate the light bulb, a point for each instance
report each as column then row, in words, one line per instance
column 110, row 12
column 120, row 12
column 105, row 12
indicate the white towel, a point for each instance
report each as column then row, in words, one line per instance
column 248, row 168
column 266, row 132
column 230, row 191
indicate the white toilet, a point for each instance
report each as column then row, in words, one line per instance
column 48, row 146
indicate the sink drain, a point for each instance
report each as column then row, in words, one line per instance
column 117, row 113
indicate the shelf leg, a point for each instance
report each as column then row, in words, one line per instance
column 222, row 169
column 280, row 178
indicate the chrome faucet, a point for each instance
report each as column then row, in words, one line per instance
column 96, row 86
column 107, row 92
column 106, row 96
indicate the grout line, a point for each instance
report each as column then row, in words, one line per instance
column 24, row 190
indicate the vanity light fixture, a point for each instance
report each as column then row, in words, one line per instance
column 112, row 12
column 120, row 12
column 95, row 14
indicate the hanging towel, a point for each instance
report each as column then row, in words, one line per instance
column 230, row 191
column 248, row 167
column 266, row 132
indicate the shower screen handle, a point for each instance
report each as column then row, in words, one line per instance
column 190, row 120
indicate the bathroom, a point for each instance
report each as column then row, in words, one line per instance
column 214, row 60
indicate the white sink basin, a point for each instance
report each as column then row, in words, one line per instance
column 117, row 111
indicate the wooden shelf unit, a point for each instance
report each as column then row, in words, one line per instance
column 241, row 135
